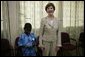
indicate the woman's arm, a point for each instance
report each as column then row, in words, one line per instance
column 59, row 34
column 41, row 32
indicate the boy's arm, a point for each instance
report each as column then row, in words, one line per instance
column 21, row 41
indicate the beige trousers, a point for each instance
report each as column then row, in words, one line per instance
column 50, row 48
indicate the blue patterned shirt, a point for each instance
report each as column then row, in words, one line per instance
column 27, row 41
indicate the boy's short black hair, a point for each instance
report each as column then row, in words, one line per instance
column 27, row 25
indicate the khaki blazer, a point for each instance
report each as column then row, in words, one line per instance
column 50, row 32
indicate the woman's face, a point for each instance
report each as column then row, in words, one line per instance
column 50, row 10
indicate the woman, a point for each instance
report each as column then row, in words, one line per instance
column 50, row 36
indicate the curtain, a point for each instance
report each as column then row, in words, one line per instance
column 5, row 30
column 10, row 21
column 73, row 18
column 14, row 14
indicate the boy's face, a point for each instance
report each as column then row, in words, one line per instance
column 27, row 30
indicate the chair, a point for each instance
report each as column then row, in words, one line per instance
column 18, row 51
column 66, row 44
column 6, row 48
column 81, row 42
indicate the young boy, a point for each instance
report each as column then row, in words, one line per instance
column 27, row 41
